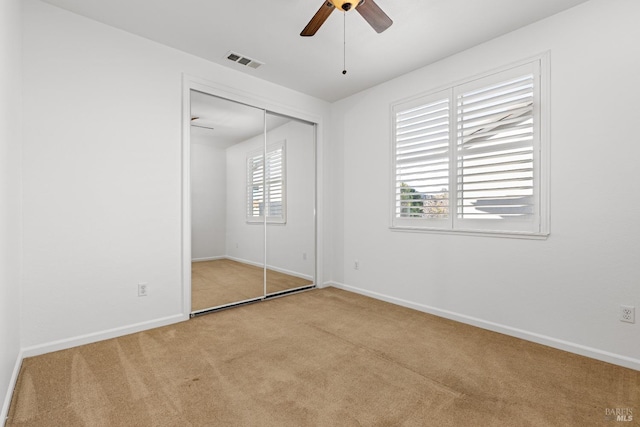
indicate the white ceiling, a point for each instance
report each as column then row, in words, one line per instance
column 424, row 31
column 227, row 122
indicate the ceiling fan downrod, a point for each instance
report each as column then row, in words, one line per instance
column 344, row 45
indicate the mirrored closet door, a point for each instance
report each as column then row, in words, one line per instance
column 252, row 203
column 290, row 236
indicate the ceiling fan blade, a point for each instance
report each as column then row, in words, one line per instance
column 318, row 19
column 372, row 13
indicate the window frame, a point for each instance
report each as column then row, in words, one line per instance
column 271, row 219
column 538, row 227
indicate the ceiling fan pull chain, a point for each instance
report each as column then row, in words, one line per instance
column 344, row 43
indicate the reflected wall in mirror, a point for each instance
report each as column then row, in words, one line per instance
column 291, row 237
column 252, row 201
column 222, row 272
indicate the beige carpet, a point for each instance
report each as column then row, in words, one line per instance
column 319, row 358
column 220, row 282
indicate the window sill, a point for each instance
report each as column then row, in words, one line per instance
column 478, row 233
column 269, row 221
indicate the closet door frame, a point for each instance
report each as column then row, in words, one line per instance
column 190, row 83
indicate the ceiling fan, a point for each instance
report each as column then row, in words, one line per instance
column 198, row 122
column 369, row 10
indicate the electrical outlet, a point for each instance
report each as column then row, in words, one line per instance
column 143, row 289
column 356, row 265
column 304, row 256
column 627, row 314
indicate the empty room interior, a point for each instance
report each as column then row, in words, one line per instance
column 417, row 212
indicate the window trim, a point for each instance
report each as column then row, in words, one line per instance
column 541, row 161
column 280, row 145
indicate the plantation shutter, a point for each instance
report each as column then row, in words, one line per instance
column 496, row 150
column 422, row 159
column 470, row 158
column 266, row 195
column 274, row 182
column 255, row 193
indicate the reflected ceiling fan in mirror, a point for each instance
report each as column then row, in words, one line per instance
column 197, row 122
column 368, row 9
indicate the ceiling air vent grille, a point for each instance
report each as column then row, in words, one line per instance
column 243, row 60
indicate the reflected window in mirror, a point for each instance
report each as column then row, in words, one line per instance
column 266, row 185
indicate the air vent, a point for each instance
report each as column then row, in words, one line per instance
column 243, row 60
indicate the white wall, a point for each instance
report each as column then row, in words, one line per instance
column 10, row 226
column 286, row 243
column 102, row 176
column 245, row 241
column 208, row 196
column 564, row 291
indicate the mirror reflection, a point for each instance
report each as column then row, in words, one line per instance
column 290, row 231
column 252, row 203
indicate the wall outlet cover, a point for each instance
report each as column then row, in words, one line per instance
column 143, row 289
column 627, row 314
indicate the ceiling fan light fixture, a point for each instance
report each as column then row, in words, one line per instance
column 345, row 5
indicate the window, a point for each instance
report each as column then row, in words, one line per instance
column 470, row 158
column 266, row 194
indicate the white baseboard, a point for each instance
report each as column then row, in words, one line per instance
column 100, row 336
column 244, row 261
column 213, row 258
column 290, row 273
column 273, row 268
column 594, row 353
column 12, row 385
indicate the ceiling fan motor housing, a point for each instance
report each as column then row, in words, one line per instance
column 346, row 5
